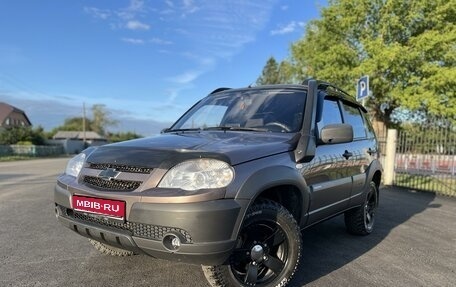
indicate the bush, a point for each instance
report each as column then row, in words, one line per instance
column 24, row 143
column 15, row 135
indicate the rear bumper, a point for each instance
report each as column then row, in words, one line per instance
column 207, row 229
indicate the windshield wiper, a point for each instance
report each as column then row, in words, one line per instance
column 230, row 128
column 181, row 130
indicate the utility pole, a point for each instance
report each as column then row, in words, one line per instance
column 83, row 123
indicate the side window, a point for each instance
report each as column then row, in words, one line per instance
column 330, row 114
column 353, row 116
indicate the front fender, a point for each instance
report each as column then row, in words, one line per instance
column 269, row 177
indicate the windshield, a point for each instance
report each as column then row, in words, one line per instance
column 273, row 110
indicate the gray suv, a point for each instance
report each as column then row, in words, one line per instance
column 231, row 184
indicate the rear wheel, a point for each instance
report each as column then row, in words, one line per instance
column 267, row 252
column 110, row 250
column 361, row 220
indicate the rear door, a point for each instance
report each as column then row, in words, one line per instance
column 363, row 148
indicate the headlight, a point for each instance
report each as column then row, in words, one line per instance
column 75, row 164
column 198, row 174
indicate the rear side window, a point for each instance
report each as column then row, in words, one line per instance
column 369, row 128
column 352, row 116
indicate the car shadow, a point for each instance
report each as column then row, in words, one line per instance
column 328, row 247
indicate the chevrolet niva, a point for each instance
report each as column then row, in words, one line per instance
column 231, row 184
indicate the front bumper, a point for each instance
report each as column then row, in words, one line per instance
column 207, row 229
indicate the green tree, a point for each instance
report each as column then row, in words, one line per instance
column 276, row 73
column 101, row 119
column 73, row 124
column 270, row 74
column 99, row 122
column 406, row 47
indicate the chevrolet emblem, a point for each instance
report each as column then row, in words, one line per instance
column 108, row 174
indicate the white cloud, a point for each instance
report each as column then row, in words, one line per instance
column 203, row 32
column 186, row 77
column 189, row 7
column 98, row 13
column 289, row 28
column 136, row 5
column 218, row 29
column 159, row 41
column 137, row 25
column 134, row 41
column 124, row 17
column 204, row 64
column 221, row 28
column 134, row 8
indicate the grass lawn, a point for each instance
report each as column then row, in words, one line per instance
column 440, row 184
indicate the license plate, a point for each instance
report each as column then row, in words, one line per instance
column 109, row 207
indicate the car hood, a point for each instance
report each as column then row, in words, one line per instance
column 166, row 150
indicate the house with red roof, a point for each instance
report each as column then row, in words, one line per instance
column 11, row 116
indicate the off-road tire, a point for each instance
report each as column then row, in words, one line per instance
column 282, row 249
column 110, row 250
column 360, row 221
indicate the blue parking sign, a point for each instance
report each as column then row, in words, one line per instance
column 362, row 90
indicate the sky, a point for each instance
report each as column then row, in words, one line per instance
column 146, row 61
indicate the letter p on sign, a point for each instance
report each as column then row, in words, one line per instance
column 362, row 90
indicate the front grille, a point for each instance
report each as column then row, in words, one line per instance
column 112, row 184
column 121, row 167
column 147, row 231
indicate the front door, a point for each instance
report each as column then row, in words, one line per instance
column 329, row 174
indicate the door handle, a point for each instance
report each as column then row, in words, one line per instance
column 347, row 154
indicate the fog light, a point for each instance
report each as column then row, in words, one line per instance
column 176, row 243
column 171, row 242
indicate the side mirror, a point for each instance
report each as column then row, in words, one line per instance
column 336, row 133
column 164, row 130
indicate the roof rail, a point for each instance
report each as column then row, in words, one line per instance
column 219, row 90
column 324, row 85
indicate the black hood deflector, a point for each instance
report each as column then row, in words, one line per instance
column 166, row 150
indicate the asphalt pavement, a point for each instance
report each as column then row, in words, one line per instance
column 414, row 243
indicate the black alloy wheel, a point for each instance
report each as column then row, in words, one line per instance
column 361, row 220
column 267, row 251
column 369, row 210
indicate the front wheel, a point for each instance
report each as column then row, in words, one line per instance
column 267, row 252
column 361, row 220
